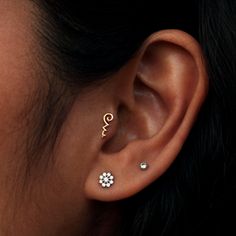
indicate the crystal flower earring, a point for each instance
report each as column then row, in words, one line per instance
column 106, row 179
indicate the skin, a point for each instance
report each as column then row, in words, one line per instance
column 155, row 99
column 37, row 213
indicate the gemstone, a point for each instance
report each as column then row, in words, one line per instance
column 106, row 179
column 144, row 166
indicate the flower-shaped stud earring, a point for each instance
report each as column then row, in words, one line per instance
column 106, row 180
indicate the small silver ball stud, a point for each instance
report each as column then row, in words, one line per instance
column 144, row 165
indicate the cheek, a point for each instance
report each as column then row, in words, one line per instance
column 15, row 92
column 80, row 140
column 16, row 82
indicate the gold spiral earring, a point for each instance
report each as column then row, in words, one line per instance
column 107, row 118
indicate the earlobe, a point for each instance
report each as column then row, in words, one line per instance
column 167, row 84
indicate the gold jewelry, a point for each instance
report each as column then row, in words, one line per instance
column 107, row 118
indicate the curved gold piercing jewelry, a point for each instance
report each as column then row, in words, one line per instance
column 107, row 118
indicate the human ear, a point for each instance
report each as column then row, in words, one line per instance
column 159, row 92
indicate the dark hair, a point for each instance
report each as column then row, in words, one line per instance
column 85, row 42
